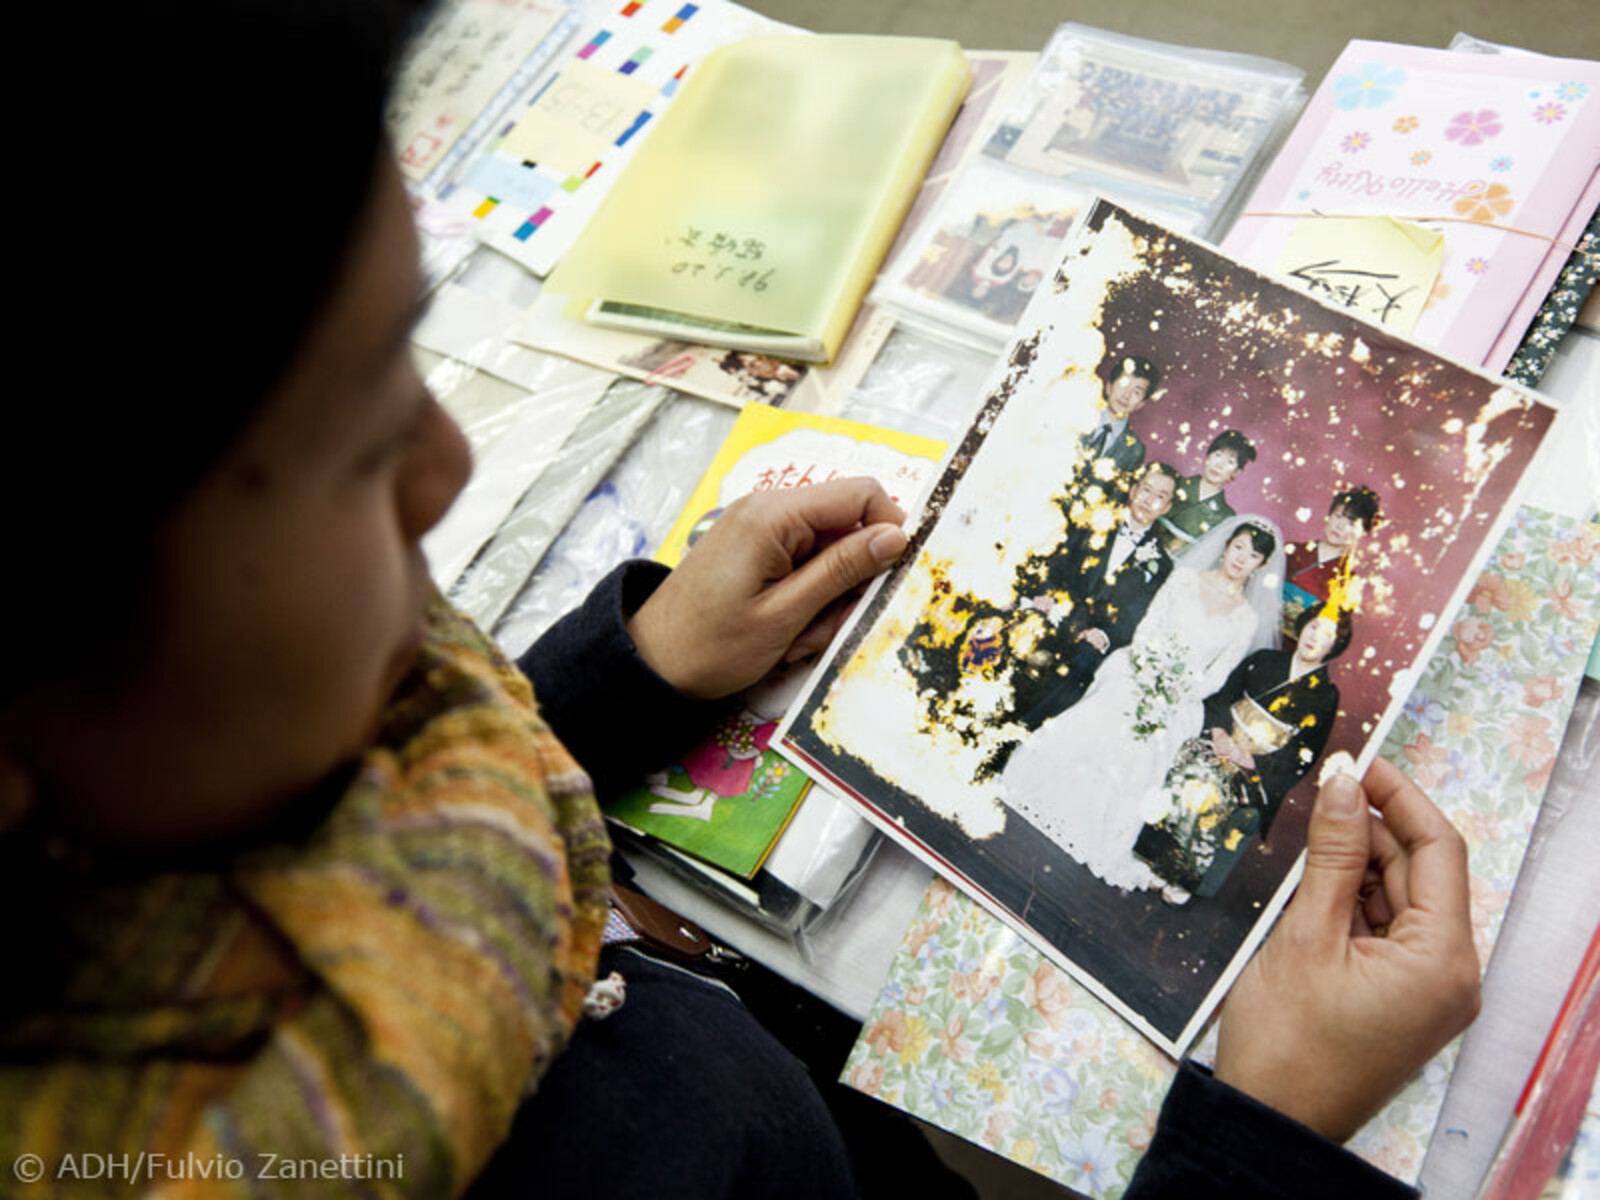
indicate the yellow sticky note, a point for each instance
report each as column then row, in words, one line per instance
column 1378, row 268
column 578, row 119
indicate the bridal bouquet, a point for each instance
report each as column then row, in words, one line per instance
column 1158, row 668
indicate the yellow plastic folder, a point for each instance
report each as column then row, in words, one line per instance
column 757, row 214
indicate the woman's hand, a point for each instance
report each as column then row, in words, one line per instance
column 1370, row 971
column 765, row 584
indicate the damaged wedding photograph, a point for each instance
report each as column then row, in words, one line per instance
column 1197, row 542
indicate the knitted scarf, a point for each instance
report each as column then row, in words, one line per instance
column 370, row 1003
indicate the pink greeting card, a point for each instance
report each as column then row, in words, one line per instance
column 1497, row 153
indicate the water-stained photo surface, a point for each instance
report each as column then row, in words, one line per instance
column 1196, row 541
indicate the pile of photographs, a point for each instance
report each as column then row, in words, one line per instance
column 1168, row 130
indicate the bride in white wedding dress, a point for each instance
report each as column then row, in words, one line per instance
column 1085, row 777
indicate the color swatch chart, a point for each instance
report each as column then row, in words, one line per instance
column 555, row 155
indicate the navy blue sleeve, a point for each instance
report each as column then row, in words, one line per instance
column 1213, row 1142
column 608, row 707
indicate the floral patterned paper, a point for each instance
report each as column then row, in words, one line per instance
column 1559, row 310
column 976, row 1032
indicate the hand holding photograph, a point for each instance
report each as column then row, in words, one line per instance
column 1199, row 539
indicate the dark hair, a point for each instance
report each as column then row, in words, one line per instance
column 1142, row 368
column 1231, row 439
column 248, row 136
column 1341, row 640
column 1261, row 540
column 1160, row 468
column 1360, row 503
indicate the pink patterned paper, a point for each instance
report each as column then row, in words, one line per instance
column 1504, row 147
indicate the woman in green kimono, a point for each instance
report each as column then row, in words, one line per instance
column 1200, row 504
column 1264, row 730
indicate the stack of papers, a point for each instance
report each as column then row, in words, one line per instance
column 1498, row 154
column 1171, row 130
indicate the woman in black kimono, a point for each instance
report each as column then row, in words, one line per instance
column 1264, row 729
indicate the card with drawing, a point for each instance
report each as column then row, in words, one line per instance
column 1500, row 154
column 1197, row 541
column 727, row 799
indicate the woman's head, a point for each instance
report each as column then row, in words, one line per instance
column 1248, row 547
column 1352, row 514
column 1227, row 455
column 1320, row 638
column 256, row 518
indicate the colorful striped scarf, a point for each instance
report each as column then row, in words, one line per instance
column 370, row 1004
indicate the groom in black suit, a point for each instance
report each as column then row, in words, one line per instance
column 1105, row 591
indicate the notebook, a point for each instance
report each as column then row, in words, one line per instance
column 758, row 213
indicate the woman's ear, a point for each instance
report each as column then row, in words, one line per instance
column 16, row 792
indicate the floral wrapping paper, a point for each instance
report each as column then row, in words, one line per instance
column 1560, row 309
column 976, row 1032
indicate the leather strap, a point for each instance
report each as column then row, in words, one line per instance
column 659, row 927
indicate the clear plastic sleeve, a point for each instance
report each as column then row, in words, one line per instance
column 1173, row 131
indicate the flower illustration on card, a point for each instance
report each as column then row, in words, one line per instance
column 1562, row 599
column 1438, row 294
column 1089, row 1162
column 1572, row 90
column 1424, row 710
column 1421, row 158
column 867, row 1077
column 1522, row 600
column 1473, row 636
column 1549, row 112
column 1368, row 86
column 1356, row 142
column 1568, row 552
column 1539, row 690
column 1405, row 124
column 1491, row 592
column 1485, row 204
column 1529, row 741
column 1477, row 266
column 1500, row 164
column 1429, row 761
column 1470, row 128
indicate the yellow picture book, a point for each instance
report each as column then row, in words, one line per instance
column 771, row 449
column 728, row 799
column 757, row 214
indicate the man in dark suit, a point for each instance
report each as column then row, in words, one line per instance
column 1096, row 591
column 1111, row 453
